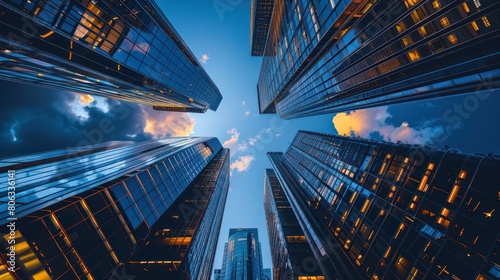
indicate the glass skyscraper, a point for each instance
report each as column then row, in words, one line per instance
column 242, row 256
column 126, row 50
column 339, row 55
column 119, row 208
column 380, row 210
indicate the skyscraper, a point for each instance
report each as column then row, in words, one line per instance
column 242, row 256
column 126, row 50
column 333, row 56
column 119, row 208
column 291, row 255
column 379, row 210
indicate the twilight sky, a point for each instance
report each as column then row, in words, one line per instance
column 34, row 119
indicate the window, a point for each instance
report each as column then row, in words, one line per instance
column 486, row 21
column 444, row 22
column 453, row 39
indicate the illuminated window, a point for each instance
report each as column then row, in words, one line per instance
column 477, row 3
column 423, row 183
column 422, row 31
column 441, row 220
column 436, row 5
column 466, row 7
column 407, row 41
column 486, row 21
column 462, row 173
column 452, row 38
column 177, row 240
column 413, row 55
column 444, row 22
column 400, row 26
column 299, row 238
column 365, row 206
column 453, row 194
column 387, row 252
column 410, row 3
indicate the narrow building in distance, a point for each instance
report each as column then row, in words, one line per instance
column 380, row 210
column 126, row 50
column 144, row 209
column 242, row 256
column 290, row 252
column 334, row 56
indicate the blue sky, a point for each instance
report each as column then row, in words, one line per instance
column 218, row 32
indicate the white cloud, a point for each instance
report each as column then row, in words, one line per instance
column 244, row 102
column 242, row 163
column 204, row 58
column 254, row 140
column 233, row 141
column 247, row 113
column 367, row 121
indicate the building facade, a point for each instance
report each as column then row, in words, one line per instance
column 95, row 212
column 290, row 252
column 123, row 50
column 242, row 255
column 340, row 55
column 379, row 210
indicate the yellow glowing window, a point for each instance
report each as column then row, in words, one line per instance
column 422, row 31
column 486, row 21
column 401, row 228
column 365, row 206
column 410, row 3
column 400, row 26
column 444, row 22
column 299, row 238
column 453, row 194
column 436, row 5
column 407, row 41
column 353, row 197
column 466, row 7
column 453, row 39
column 387, row 252
column 177, row 240
column 462, row 174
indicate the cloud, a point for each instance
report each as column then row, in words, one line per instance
column 233, row 141
column 242, row 163
column 161, row 124
column 247, row 113
column 86, row 99
column 243, row 102
column 367, row 121
column 204, row 58
column 253, row 140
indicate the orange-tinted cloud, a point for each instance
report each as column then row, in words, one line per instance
column 367, row 121
column 85, row 99
column 242, row 163
column 162, row 124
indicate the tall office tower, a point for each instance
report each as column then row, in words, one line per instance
column 242, row 255
column 126, row 50
column 95, row 212
column 338, row 55
column 292, row 257
column 262, row 10
column 378, row 210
